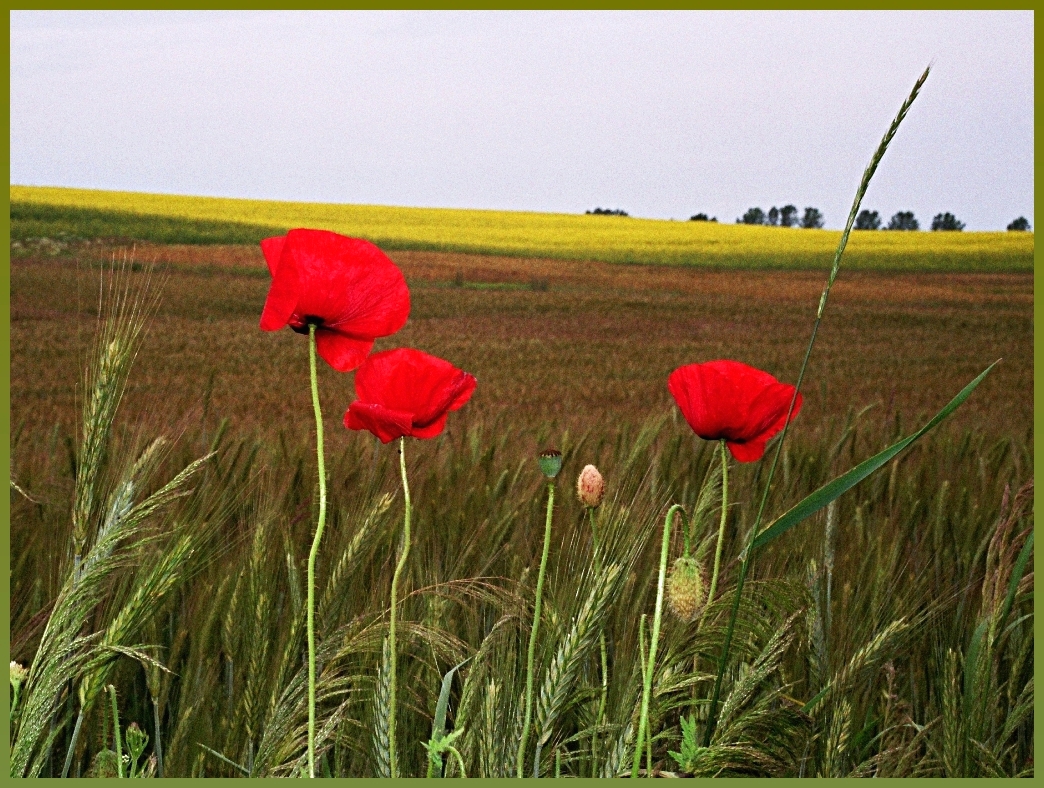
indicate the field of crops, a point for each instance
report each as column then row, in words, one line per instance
column 889, row 635
column 554, row 344
column 50, row 212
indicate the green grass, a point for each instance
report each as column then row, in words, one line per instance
column 51, row 212
column 910, row 557
column 31, row 220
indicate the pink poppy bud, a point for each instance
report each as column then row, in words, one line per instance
column 590, row 487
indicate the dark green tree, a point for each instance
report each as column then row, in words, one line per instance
column 868, row 220
column 1020, row 225
column 946, row 221
column 903, row 220
column 702, row 217
column 813, row 219
column 773, row 216
column 607, row 212
column 752, row 216
column 788, row 216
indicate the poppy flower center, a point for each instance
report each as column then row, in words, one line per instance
column 300, row 324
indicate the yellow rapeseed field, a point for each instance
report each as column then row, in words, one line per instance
column 578, row 237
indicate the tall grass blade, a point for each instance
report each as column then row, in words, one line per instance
column 864, row 184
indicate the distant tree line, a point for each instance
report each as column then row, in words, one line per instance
column 787, row 216
column 905, row 220
column 812, row 218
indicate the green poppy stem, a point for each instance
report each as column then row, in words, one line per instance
column 315, row 548
column 520, row 760
column 602, row 648
column 116, row 732
column 721, row 525
column 392, row 759
column 650, row 668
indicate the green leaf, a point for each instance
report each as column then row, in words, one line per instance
column 842, row 484
column 438, row 726
column 1013, row 584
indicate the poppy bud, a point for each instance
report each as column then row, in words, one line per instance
column 590, row 487
column 686, row 588
column 550, row 462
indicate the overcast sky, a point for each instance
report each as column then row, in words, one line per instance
column 662, row 114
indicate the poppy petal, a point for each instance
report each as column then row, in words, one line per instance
column 347, row 282
column 767, row 412
column 697, row 388
column 447, row 392
column 465, row 389
column 430, row 430
column 384, row 423
column 341, row 352
column 748, row 451
column 282, row 297
column 272, row 249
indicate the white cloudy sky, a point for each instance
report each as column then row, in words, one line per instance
column 663, row 114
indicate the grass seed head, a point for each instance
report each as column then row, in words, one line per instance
column 550, row 462
column 18, row 675
column 590, row 487
column 686, row 588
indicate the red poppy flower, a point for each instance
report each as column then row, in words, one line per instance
column 347, row 287
column 406, row 392
column 734, row 401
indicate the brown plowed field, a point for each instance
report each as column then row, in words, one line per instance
column 584, row 345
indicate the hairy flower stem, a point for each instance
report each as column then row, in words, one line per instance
column 520, row 760
column 315, row 549
column 868, row 173
column 650, row 668
column 602, row 648
column 721, row 525
column 394, row 607
column 116, row 732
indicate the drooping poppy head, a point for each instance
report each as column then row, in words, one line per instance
column 405, row 392
column 686, row 588
column 733, row 401
column 347, row 287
